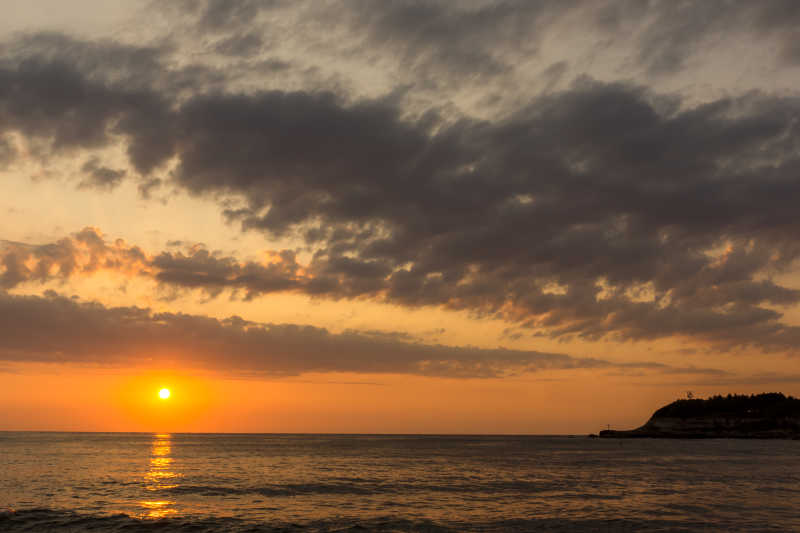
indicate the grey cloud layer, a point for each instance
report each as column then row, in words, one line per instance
column 90, row 333
column 603, row 209
column 443, row 44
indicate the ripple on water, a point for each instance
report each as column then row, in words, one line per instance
column 213, row 482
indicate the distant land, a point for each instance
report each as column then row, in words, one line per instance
column 760, row 416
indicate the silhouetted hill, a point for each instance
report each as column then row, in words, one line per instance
column 761, row 416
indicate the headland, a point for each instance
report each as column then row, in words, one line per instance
column 760, row 416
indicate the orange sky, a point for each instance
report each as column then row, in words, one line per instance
column 544, row 223
column 41, row 397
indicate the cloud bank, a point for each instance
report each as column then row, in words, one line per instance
column 593, row 209
column 89, row 333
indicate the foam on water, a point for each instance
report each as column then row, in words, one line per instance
column 138, row 482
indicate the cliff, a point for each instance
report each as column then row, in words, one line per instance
column 761, row 416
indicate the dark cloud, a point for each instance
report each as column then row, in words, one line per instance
column 239, row 45
column 589, row 186
column 213, row 273
column 670, row 34
column 90, row 333
column 436, row 43
column 57, row 93
column 7, row 152
column 103, row 61
column 488, row 38
column 606, row 209
column 707, row 306
column 222, row 14
column 434, row 39
column 100, row 177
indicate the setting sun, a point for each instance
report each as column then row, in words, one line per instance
column 163, row 394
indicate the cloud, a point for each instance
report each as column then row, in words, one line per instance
column 715, row 305
column 7, row 152
column 676, row 31
column 437, row 40
column 449, row 45
column 239, row 45
column 601, row 210
column 488, row 38
column 100, row 177
column 90, row 333
column 83, row 253
column 220, row 14
column 87, row 252
column 214, row 273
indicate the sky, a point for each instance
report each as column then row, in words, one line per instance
column 394, row 217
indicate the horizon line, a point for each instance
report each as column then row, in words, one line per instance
column 302, row 433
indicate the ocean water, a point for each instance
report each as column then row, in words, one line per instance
column 193, row 482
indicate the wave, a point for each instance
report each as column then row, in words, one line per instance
column 369, row 487
column 71, row 522
column 68, row 521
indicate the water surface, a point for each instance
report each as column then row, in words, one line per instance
column 76, row 481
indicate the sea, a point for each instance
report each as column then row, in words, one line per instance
column 235, row 482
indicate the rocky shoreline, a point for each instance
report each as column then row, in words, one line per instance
column 763, row 416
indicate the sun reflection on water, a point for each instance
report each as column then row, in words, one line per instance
column 160, row 477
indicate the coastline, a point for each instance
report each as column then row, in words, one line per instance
column 761, row 416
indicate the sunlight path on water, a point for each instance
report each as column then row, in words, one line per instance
column 160, row 477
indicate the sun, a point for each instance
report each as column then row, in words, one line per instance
column 163, row 394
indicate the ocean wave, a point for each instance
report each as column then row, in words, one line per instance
column 369, row 487
column 60, row 521
column 71, row 522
